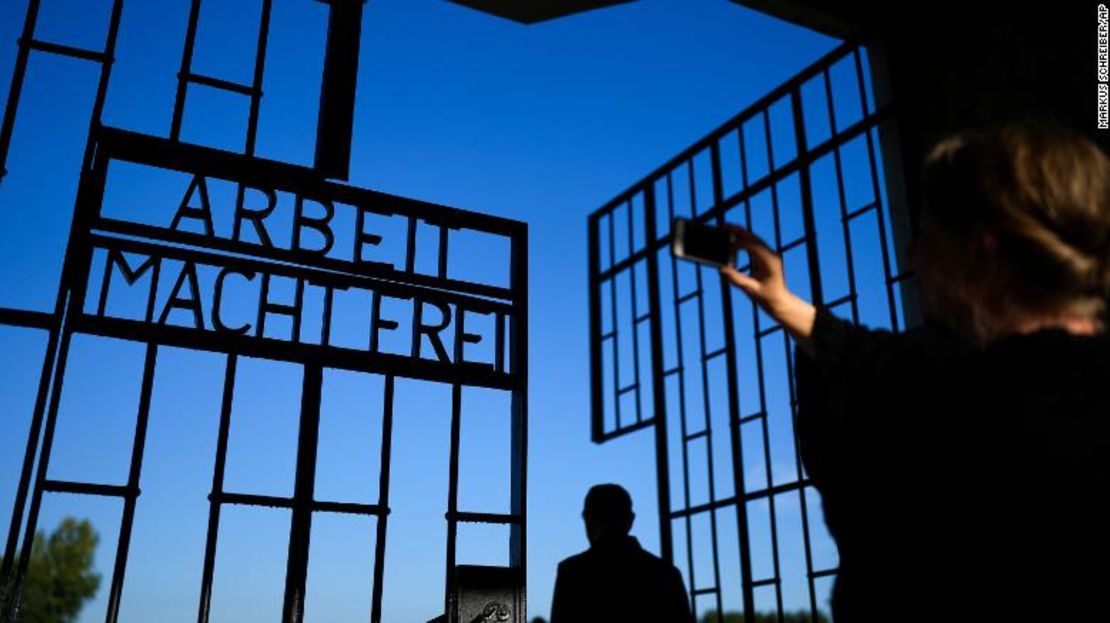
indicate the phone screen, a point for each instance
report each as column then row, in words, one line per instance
column 701, row 243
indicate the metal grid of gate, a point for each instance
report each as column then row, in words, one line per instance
column 82, row 309
column 675, row 350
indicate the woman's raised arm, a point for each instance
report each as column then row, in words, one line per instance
column 767, row 287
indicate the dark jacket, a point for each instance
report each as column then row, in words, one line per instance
column 960, row 483
column 619, row 581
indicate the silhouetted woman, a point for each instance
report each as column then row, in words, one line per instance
column 963, row 464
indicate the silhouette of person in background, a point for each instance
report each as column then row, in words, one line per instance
column 616, row 579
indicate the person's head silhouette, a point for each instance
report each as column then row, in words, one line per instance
column 608, row 513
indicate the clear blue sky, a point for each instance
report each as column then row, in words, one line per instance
column 541, row 124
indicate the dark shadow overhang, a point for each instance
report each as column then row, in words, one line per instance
column 532, row 11
column 829, row 17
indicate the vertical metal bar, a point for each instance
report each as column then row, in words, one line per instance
column 256, row 83
column 337, row 90
column 105, row 75
column 217, row 490
column 633, row 311
column 139, row 445
column 9, row 586
column 518, row 361
column 760, row 379
column 706, row 422
column 263, row 297
column 43, row 464
column 383, row 501
column 183, row 73
column 683, row 426
column 106, row 282
column 816, row 291
column 848, row 256
column 300, row 529
column 888, row 273
column 444, row 242
column 733, row 374
column 597, row 419
column 776, row 213
column 16, row 89
column 658, row 387
column 410, row 246
column 450, row 598
column 802, row 503
column 613, row 323
column 155, row 275
column 499, row 340
column 718, row 196
column 808, row 221
column 298, row 305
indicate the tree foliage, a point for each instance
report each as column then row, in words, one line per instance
column 60, row 578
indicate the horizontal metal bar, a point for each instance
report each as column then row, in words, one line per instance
column 824, row 573
column 702, row 508
column 776, row 490
column 670, row 371
column 686, row 297
column 330, row 356
column 623, row 265
column 765, row 582
column 797, row 242
column 608, row 336
column 225, row 85
column 66, row 50
column 273, row 501
column 642, row 318
column 768, row 331
column 86, row 488
column 855, row 213
column 499, row 518
column 248, row 499
column 26, row 318
column 839, row 301
column 613, row 434
column 628, row 388
column 705, row 591
column 715, row 353
column 910, row 274
column 752, row 417
column 349, row 508
column 288, row 262
column 698, row 435
column 732, row 500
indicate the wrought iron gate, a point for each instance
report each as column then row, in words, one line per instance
column 114, row 259
column 676, row 351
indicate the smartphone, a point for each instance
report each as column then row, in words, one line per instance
column 701, row 243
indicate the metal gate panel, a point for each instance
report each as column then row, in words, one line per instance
column 180, row 308
column 675, row 350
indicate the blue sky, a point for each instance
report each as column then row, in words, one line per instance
column 542, row 124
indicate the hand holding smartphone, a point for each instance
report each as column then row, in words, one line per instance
column 766, row 283
column 702, row 243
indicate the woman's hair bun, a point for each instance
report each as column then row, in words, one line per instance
column 1044, row 190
